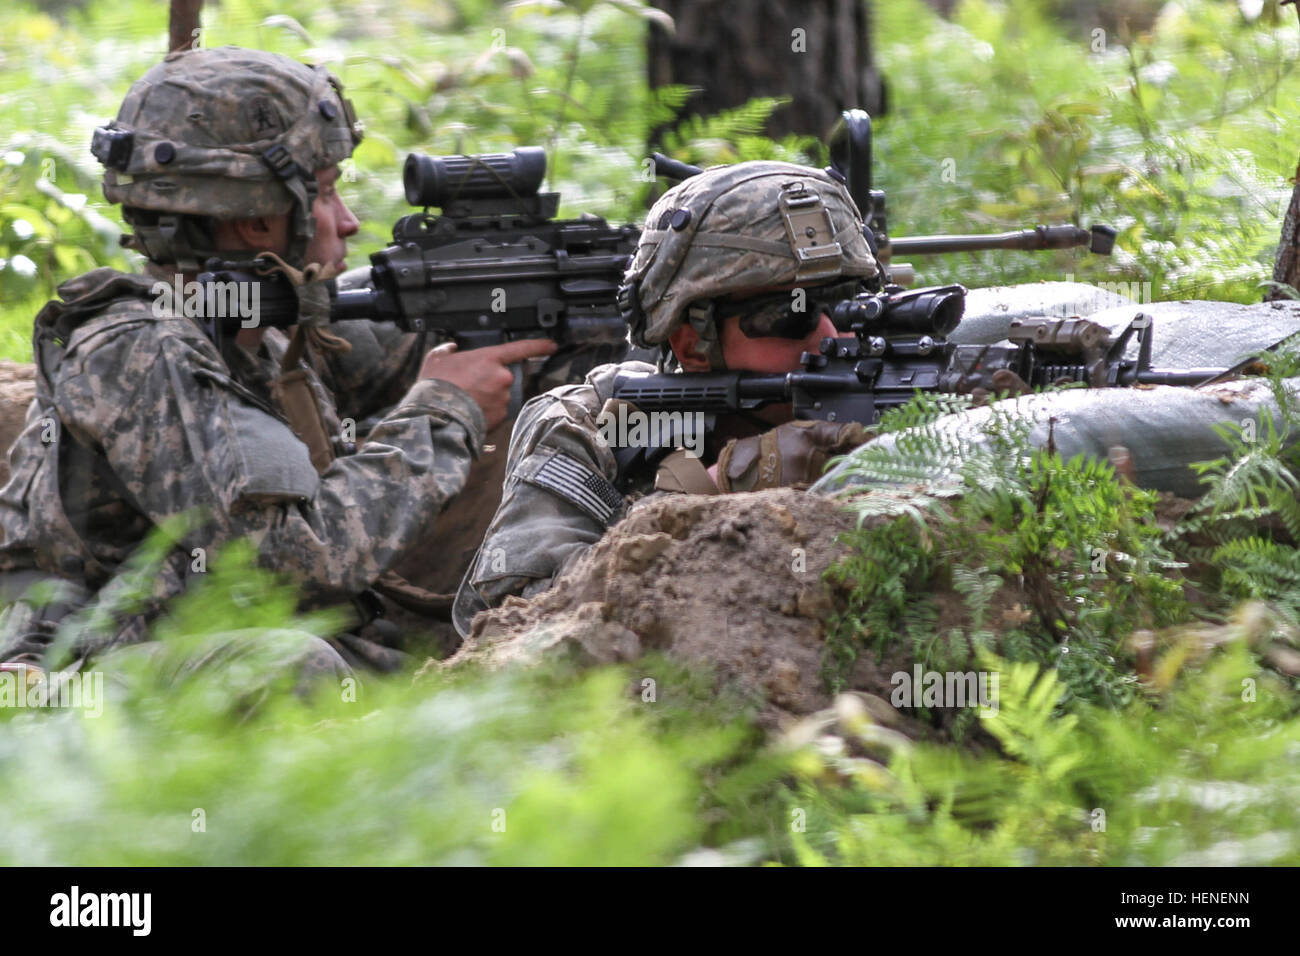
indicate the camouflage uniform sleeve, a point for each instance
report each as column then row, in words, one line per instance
column 180, row 434
column 379, row 368
column 559, row 494
column 376, row 372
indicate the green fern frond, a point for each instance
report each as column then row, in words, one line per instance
column 924, row 409
column 1257, row 567
column 715, row 138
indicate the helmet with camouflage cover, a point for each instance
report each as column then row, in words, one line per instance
column 734, row 230
column 226, row 133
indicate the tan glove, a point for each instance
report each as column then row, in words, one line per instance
column 790, row 455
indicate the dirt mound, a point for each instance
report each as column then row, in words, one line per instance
column 731, row 581
column 17, row 387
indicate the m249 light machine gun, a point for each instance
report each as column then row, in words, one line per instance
column 494, row 266
column 851, row 163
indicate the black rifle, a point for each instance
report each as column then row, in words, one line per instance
column 899, row 348
column 850, row 149
column 494, row 266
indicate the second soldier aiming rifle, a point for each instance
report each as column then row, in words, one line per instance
column 899, row 347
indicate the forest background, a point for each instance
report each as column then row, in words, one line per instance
column 1175, row 123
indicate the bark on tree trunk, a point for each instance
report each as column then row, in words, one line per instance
column 184, row 23
column 817, row 52
column 1286, row 268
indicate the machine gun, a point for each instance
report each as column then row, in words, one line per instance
column 899, row 347
column 850, row 149
column 494, row 266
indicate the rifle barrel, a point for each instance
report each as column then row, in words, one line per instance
column 1183, row 377
column 1040, row 237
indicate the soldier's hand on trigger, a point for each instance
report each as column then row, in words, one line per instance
column 791, row 455
column 484, row 373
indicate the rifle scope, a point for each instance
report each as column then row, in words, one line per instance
column 438, row 180
column 935, row 312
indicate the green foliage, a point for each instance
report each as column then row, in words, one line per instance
column 1247, row 525
column 406, row 776
column 1201, row 777
column 1004, row 116
column 886, row 565
column 47, row 228
column 1076, row 549
column 538, row 767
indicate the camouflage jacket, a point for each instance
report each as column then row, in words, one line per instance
column 565, row 485
column 139, row 418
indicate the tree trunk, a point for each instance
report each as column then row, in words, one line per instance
column 1286, row 268
column 184, row 24
column 816, row 52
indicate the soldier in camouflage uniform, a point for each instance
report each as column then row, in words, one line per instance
column 711, row 284
column 140, row 417
column 729, row 273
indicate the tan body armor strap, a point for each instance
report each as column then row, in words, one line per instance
column 293, row 394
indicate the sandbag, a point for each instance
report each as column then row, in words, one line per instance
column 1198, row 334
column 990, row 312
column 1185, row 334
column 1164, row 428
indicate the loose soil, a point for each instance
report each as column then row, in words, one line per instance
column 731, row 582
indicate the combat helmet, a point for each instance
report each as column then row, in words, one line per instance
column 732, row 230
column 226, row 133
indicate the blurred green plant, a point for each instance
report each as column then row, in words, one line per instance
column 546, row 766
column 1073, row 553
column 1000, row 116
column 1205, row 775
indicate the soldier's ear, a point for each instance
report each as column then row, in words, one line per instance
column 255, row 232
column 683, row 342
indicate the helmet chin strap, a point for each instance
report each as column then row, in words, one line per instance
column 166, row 242
column 302, row 224
column 708, row 345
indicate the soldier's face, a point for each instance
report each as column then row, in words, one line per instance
column 746, row 353
column 334, row 222
column 769, row 353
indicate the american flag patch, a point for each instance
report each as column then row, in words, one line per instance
column 573, row 481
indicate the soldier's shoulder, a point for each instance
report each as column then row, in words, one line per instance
column 582, row 401
column 105, row 313
column 602, row 378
